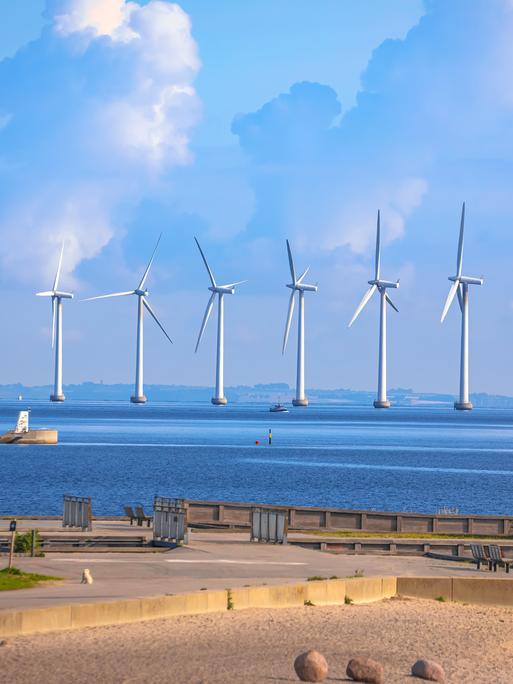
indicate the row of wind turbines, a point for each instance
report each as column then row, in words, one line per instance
column 460, row 287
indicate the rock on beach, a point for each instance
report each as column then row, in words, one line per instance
column 311, row 666
column 366, row 670
column 428, row 669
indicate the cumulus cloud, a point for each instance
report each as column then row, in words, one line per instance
column 93, row 114
column 433, row 116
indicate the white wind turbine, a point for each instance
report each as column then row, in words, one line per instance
column 142, row 303
column 298, row 286
column 459, row 286
column 57, row 297
column 220, row 290
column 381, row 286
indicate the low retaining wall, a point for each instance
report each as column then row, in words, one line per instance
column 476, row 590
column 473, row 590
column 73, row 616
column 229, row 513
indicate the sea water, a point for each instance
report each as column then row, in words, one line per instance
column 401, row 459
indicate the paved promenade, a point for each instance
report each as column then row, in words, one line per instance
column 213, row 560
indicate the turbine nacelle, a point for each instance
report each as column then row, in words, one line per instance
column 141, row 293
column 384, row 284
column 467, row 280
column 222, row 289
column 302, row 287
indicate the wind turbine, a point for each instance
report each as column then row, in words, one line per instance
column 298, row 286
column 459, row 286
column 381, row 286
column 220, row 290
column 57, row 297
column 142, row 303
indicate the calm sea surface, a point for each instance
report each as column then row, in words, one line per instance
column 411, row 459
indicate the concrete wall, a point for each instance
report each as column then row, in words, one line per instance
column 475, row 590
column 322, row 592
column 302, row 517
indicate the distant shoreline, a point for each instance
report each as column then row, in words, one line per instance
column 264, row 393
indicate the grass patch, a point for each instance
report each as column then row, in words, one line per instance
column 348, row 600
column 16, row 579
column 307, row 602
column 398, row 535
column 229, row 600
column 440, row 598
column 315, row 578
column 357, row 574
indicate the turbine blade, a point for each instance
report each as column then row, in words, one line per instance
column 300, row 279
column 154, row 316
column 459, row 264
column 291, row 264
column 450, row 297
column 288, row 321
column 239, row 282
column 208, row 311
column 460, row 298
column 211, row 275
column 58, row 274
column 114, row 294
column 378, row 249
column 391, row 303
column 362, row 304
column 53, row 321
column 44, row 294
column 146, row 272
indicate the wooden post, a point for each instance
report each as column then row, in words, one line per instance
column 13, row 539
column 33, row 544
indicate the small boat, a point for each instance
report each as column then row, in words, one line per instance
column 22, row 434
column 278, row 408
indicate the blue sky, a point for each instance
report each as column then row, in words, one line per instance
column 245, row 124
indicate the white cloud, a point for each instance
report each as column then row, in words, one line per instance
column 102, row 17
column 113, row 114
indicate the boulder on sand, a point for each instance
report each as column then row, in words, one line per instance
column 366, row 670
column 428, row 669
column 311, row 666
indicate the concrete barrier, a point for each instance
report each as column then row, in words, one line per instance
column 486, row 591
column 370, row 589
column 426, row 587
column 75, row 616
column 475, row 590
column 492, row 592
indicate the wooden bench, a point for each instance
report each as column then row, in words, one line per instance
column 480, row 556
column 129, row 511
column 497, row 558
column 142, row 517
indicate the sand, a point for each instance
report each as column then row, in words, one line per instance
column 473, row 643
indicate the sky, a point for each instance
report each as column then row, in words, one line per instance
column 245, row 124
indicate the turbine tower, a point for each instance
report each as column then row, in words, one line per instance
column 57, row 297
column 460, row 284
column 298, row 286
column 142, row 303
column 381, row 286
column 220, row 290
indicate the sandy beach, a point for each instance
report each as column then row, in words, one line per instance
column 473, row 643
